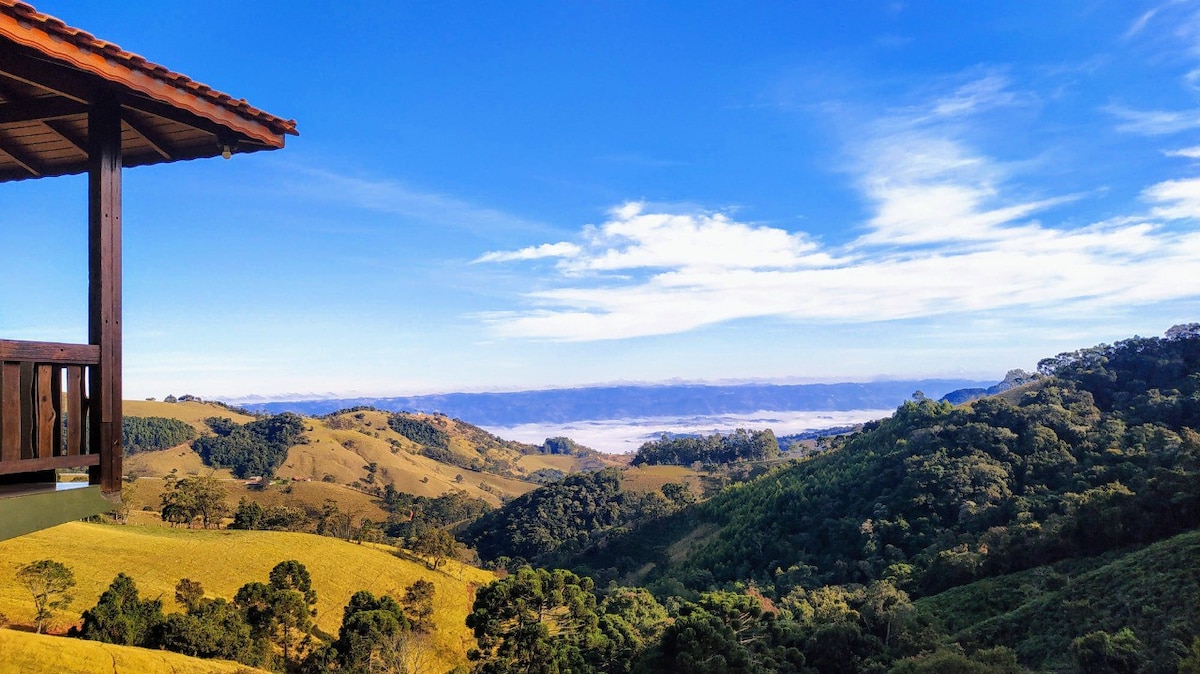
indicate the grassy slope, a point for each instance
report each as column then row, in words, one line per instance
column 1155, row 591
column 193, row 413
column 157, row 557
column 341, row 453
column 649, row 478
column 309, row 496
column 26, row 653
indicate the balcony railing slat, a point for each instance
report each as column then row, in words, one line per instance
column 45, row 413
column 75, row 413
column 10, row 412
column 28, row 420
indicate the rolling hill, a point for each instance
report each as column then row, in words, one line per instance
column 222, row 561
column 338, row 452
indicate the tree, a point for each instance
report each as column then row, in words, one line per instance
column 436, row 544
column 120, row 616
column 1190, row 664
column 194, row 497
column 188, row 593
column 368, row 624
column 283, row 609
column 48, row 582
column 1104, row 653
column 535, row 621
column 418, row 605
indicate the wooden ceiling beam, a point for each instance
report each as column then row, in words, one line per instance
column 60, row 128
column 28, row 68
column 22, row 158
column 39, row 110
column 54, row 124
column 153, row 139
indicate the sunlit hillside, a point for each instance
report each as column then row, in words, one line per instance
column 158, row 557
column 28, row 653
column 339, row 450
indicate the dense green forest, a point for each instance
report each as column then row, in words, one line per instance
column 1005, row 534
column 153, row 434
column 552, row 523
column 741, row 445
column 419, row 431
column 255, row 448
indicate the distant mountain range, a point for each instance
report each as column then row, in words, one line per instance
column 621, row 402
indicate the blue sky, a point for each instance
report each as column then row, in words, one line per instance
column 517, row 195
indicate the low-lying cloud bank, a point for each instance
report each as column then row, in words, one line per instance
column 615, row 436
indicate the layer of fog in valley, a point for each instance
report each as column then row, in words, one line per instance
column 615, row 436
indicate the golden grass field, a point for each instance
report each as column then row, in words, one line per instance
column 649, row 478
column 156, row 557
column 192, row 412
column 27, row 653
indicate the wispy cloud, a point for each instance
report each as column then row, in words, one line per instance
column 1140, row 23
column 563, row 249
column 949, row 233
column 397, row 198
column 986, row 92
column 1187, row 152
column 928, row 188
column 1153, row 122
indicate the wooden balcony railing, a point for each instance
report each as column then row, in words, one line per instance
column 44, row 406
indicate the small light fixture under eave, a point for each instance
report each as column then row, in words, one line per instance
column 226, row 151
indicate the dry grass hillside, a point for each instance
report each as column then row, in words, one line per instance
column 224, row 560
column 340, row 449
column 27, row 653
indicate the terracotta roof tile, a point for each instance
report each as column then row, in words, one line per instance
column 28, row 17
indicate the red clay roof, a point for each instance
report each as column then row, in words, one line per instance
column 79, row 49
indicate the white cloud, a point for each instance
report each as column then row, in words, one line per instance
column 1030, row 266
column 928, row 188
column 562, row 249
column 1177, row 199
column 943, row 240
column 635, row 240
column 1187, row 152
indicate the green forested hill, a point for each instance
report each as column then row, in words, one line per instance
column 1055, row 524
column 1153, row 591
column 1089, row 459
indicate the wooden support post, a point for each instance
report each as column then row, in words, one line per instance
column 104, row 286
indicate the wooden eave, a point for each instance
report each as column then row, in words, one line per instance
column 51, row 73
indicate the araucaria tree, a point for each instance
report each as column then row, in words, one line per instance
column 121, row 616
column 282, row 610
column 535, row 621
column 49, row 582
